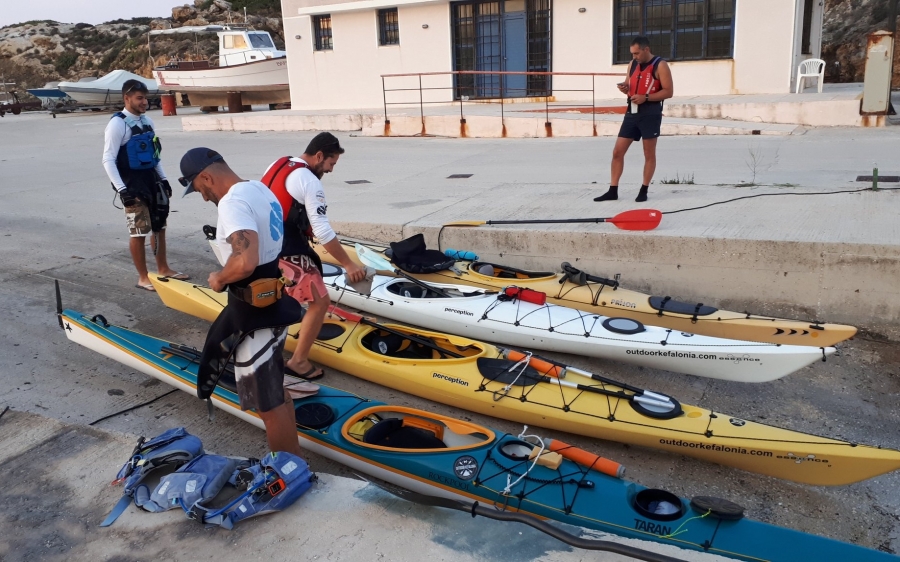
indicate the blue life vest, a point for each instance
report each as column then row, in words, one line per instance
column 169, row 451
column 267, row 485
column 144, row 147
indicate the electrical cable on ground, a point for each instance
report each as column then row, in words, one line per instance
column 126, row 410
column 441, row 231
column 775, row 194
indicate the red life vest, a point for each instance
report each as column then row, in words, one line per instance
column 298, row 232
column 641, row 82
column 275, row 179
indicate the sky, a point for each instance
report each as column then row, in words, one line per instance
column 92, row 11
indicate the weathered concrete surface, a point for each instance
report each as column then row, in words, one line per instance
column 787, row 114
column 56, row 221
column 56, row 490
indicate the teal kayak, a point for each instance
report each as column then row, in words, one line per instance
column 445, row 457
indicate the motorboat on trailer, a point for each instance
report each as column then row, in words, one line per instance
column 107, row 90
column 248, row 62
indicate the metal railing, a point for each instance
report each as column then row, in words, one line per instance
column 492, row 87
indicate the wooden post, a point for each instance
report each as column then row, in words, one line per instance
column 234, row 102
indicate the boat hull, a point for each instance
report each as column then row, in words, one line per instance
column 608, row 301
column 259, row 82
column 459, row 382
column 562, row 329
column 570, row 494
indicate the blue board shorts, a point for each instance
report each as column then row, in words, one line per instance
column 641, row 125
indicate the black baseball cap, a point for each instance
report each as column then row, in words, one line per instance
column 193, row 162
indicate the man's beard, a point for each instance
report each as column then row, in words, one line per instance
column 317, row 171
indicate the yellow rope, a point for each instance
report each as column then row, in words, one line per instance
column 678, row 531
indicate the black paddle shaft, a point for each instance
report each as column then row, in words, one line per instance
column 548, row 221
column 524, row 518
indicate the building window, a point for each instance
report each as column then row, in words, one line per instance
column 538, row 29
column 677, row 29
column 388, row 27
column 479, row 33
column 322, row 31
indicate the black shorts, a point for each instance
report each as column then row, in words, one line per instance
column 641, row 125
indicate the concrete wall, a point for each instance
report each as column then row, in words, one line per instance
column 764, row 46
column 348, row 77
column 762, row 64
column 842, row 283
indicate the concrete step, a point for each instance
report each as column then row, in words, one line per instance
column 514, row 125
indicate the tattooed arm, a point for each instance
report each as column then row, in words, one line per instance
column 243, row 260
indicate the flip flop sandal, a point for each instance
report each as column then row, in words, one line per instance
column 308, row 375
column 148, row 287
column 179, row 276
column 301, row 389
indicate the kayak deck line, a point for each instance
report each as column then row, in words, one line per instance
column 562, row 494
column 697, row 432
column 472, row 312
column 611, row 299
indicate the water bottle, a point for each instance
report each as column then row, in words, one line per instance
column 460, row 254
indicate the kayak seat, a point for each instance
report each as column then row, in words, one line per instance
column 413, row 291
column 394, row 345
column 668, row 304
column 411, row 255
column 393, row 433
column 506, row 272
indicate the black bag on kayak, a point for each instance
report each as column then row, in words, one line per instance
column 411, row 255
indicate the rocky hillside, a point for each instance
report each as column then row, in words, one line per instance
column 847, row 23
column 36, row 52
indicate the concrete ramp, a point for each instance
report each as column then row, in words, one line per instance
column 56, row 490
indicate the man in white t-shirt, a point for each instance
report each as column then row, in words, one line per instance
column 297, row 184
column 138, row 177
column 250, row 329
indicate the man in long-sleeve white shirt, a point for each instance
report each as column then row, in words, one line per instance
column 137, row 175
column 297, row 183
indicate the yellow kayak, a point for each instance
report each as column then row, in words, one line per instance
column 490, row 380
column 606, row 298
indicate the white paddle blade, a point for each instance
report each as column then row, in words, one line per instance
column 371, row 258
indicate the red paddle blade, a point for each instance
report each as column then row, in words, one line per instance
column 638, row 219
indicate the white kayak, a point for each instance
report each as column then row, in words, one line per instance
column 484, row 315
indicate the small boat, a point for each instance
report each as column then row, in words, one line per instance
column 51, row 96
column 518, row 386
column 108, row 89
column 437, row 455
column 606, row 297
column 248, row 62
column 507, row 318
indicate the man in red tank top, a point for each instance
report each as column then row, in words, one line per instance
column 648, row 82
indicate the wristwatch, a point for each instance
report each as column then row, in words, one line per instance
column 647, row 98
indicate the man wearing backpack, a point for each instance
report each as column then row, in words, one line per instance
column 297, row 183
column 647, row 83
column 131, row 160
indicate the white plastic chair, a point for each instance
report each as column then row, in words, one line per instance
column 810, row 68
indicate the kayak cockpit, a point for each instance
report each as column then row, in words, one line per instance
column 401, row 342
column 399, row 428
column 410, row 290
column 485, row 269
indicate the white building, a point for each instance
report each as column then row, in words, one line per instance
column 339, row 49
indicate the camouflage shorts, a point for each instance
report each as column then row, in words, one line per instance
column 138, row 219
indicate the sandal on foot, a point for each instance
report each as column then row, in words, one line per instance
column 147, row 287
column 179, row 276
column 308, row 375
